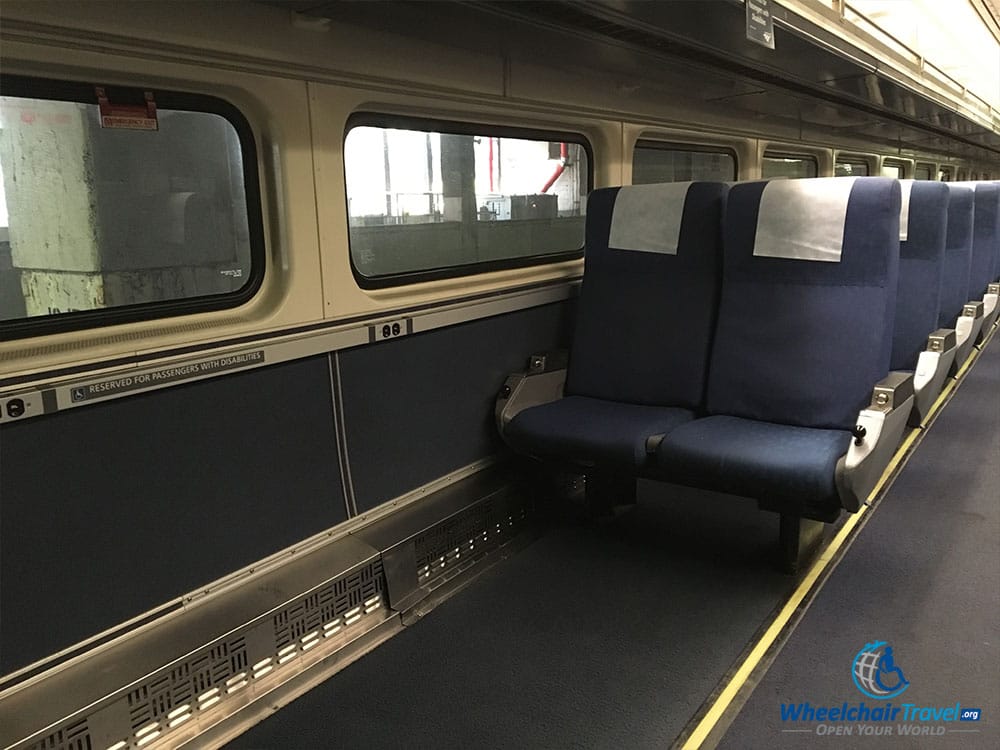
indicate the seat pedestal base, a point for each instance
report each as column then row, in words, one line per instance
column 609, row 494
column 798, row 541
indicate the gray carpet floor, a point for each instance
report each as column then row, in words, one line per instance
column 924, row 576
column 592, row 637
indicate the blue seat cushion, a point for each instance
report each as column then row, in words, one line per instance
column 984, row 238
column 957, row 255
column 802, row 342
column 645, row 319
column 921, row 266
column 592, row 431
column 761, row 460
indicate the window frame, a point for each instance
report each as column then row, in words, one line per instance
column 445, row 126
column 896, row 164
column 83, row 93
column 696, row 148
column 801, row 156
column 854, row 161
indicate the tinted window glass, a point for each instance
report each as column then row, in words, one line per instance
column 892, row 170
column 781, row 165
column 922, row 172
column 96, row 216
column 653, row 163
column 851, row 168
column 429, row 200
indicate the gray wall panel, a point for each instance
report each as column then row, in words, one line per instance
column 107, row 511
column 419, row 407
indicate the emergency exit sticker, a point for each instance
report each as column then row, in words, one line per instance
column 127, row 116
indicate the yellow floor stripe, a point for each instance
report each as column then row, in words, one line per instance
column 715, row 713
column 965, row 365
column 949, row 386
column 753, row 659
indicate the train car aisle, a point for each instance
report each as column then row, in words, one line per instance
column 907, row 627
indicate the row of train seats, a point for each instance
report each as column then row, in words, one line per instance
column 766, row 339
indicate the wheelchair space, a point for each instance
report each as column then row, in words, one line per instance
column 614, row 634
column 592, row 636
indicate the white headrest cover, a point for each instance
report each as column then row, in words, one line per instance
column 647, row 218
column 904, row 208
column 803, row 219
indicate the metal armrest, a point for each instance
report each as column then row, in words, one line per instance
column 990, row 307
column 933, row 367
column 878, row 434
column 967, row 329
column 541, row 383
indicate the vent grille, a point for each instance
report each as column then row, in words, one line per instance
column 76, row 736
column 150, row 712
column 181, row 684
column 338, row 602
column 466, row 537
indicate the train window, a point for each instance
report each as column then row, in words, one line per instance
column 121, row 205
column 428, row 199
column 851, row 168
column 892, row 169
column 923, row 172
column 788, row 165
column 655, row 162
column 944, row 174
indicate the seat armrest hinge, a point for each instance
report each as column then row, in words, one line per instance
column 892, row 391
column 973, row 309
column 941, row 340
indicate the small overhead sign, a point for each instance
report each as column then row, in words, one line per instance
column 760, row 23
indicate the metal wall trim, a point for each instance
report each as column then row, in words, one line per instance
column 46, row 396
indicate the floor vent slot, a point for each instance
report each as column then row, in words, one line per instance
column 218, row 677
column 74, row 737
column 466, row 537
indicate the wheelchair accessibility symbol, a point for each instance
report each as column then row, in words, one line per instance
column 78, row 394
column 875, row 672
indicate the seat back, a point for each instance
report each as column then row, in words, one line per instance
column 957, row 254
column 647, row 305
column 985, row 238
column 923, row 223
column 808, row 299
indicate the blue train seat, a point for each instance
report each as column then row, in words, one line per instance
column 918, row 345
column 644, row 325
column 985, row 250
column 810, row 272
column 955, row 311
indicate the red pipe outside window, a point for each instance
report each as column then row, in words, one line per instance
column 563, row 154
